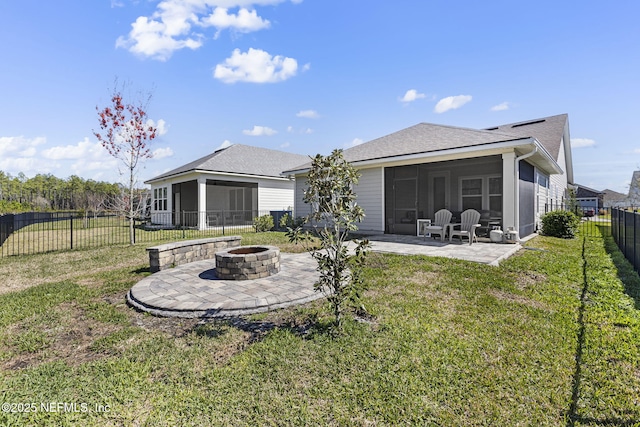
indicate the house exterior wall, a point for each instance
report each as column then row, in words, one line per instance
column 370, row 191
column 275, row 195
column 558, row 182
column 300, row 208
column 272, row 194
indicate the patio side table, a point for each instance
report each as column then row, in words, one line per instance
column 422, row 223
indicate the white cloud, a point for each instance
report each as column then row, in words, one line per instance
column 582, row 142
column 451, row 103
column 178, row 24
column 154, row 39
column 161, row 153
column 501, row 107
column 259, row 131
column 356, row 141
column 19, row 144
column 411, row 95
column 308, row 114
column 285, row 145
column 27, row 165
column 255, row 66
column 290, row 129
column 161, row 127
column 84, row 149
column 245, row 21
column 308, row 131
column 225, row 144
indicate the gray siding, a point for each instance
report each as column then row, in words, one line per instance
column 275, row 195
column 370, row 191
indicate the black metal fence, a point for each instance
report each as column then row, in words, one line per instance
column 594, row 222
column 625, row 229
column 36, row 232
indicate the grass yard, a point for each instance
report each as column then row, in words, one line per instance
column 549, row 338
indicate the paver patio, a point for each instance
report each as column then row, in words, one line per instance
column 193, row 290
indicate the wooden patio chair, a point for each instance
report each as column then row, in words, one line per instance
column 467, row 227
column 441, row 220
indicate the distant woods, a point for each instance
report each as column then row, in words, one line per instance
column 46, row 192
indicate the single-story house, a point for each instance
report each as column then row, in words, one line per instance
column 230, row 186
column 589, row 199
column 611, row 198
column 510, row 173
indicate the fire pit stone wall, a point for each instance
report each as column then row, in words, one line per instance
column 247, row 262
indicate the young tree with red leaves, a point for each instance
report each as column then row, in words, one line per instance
column 128, row 132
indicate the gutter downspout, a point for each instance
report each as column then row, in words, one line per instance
column 516, row 202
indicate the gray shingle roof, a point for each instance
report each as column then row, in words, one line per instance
column 241, row 159
column 427, row 138
column 548, row 130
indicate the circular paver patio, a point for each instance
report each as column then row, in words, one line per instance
column 193, row 290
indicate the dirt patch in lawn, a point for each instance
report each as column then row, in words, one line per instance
column 528, row 279
column 518, row 299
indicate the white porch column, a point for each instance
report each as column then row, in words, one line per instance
column 202, row 203
column 509, row 190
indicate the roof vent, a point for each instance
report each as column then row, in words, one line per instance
column 492, row 128
column 528, row 123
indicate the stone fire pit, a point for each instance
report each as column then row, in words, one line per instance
column 247, row 262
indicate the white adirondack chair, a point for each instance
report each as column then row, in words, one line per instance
column 441, row 219
column 467, row 227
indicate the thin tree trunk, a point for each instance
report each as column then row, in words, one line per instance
column 132, row 236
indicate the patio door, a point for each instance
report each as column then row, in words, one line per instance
column 401, row 199
column 439, row 192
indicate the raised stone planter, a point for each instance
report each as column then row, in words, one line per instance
column 177, row 253
column 247, row 262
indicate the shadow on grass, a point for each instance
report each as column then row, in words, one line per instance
column 627, row 275
column 142, row 270
column 258, row 329
column 625, row 270
column 577, row 373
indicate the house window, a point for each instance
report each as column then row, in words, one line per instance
column 495, row 196
column 160, row 199
column 482, row 193
column 471, row 189
column 543, row 192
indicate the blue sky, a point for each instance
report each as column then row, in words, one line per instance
column 308, row 76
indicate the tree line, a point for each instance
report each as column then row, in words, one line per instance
column 45, row 192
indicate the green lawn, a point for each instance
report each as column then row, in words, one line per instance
column 551, row 337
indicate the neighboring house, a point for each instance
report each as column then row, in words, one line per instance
column 510, row 173
column 230, row 186
column 633, row 199
column 613, row 198
column 588, row 198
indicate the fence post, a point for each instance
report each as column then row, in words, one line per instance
column 223, row 222
column 71, row 228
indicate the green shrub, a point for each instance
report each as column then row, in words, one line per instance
column 287, row 221
column 563, row 224
column 263, row 223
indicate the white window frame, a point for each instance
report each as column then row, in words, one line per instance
column 542, row 197
column 485, row 189
column 160, row 199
